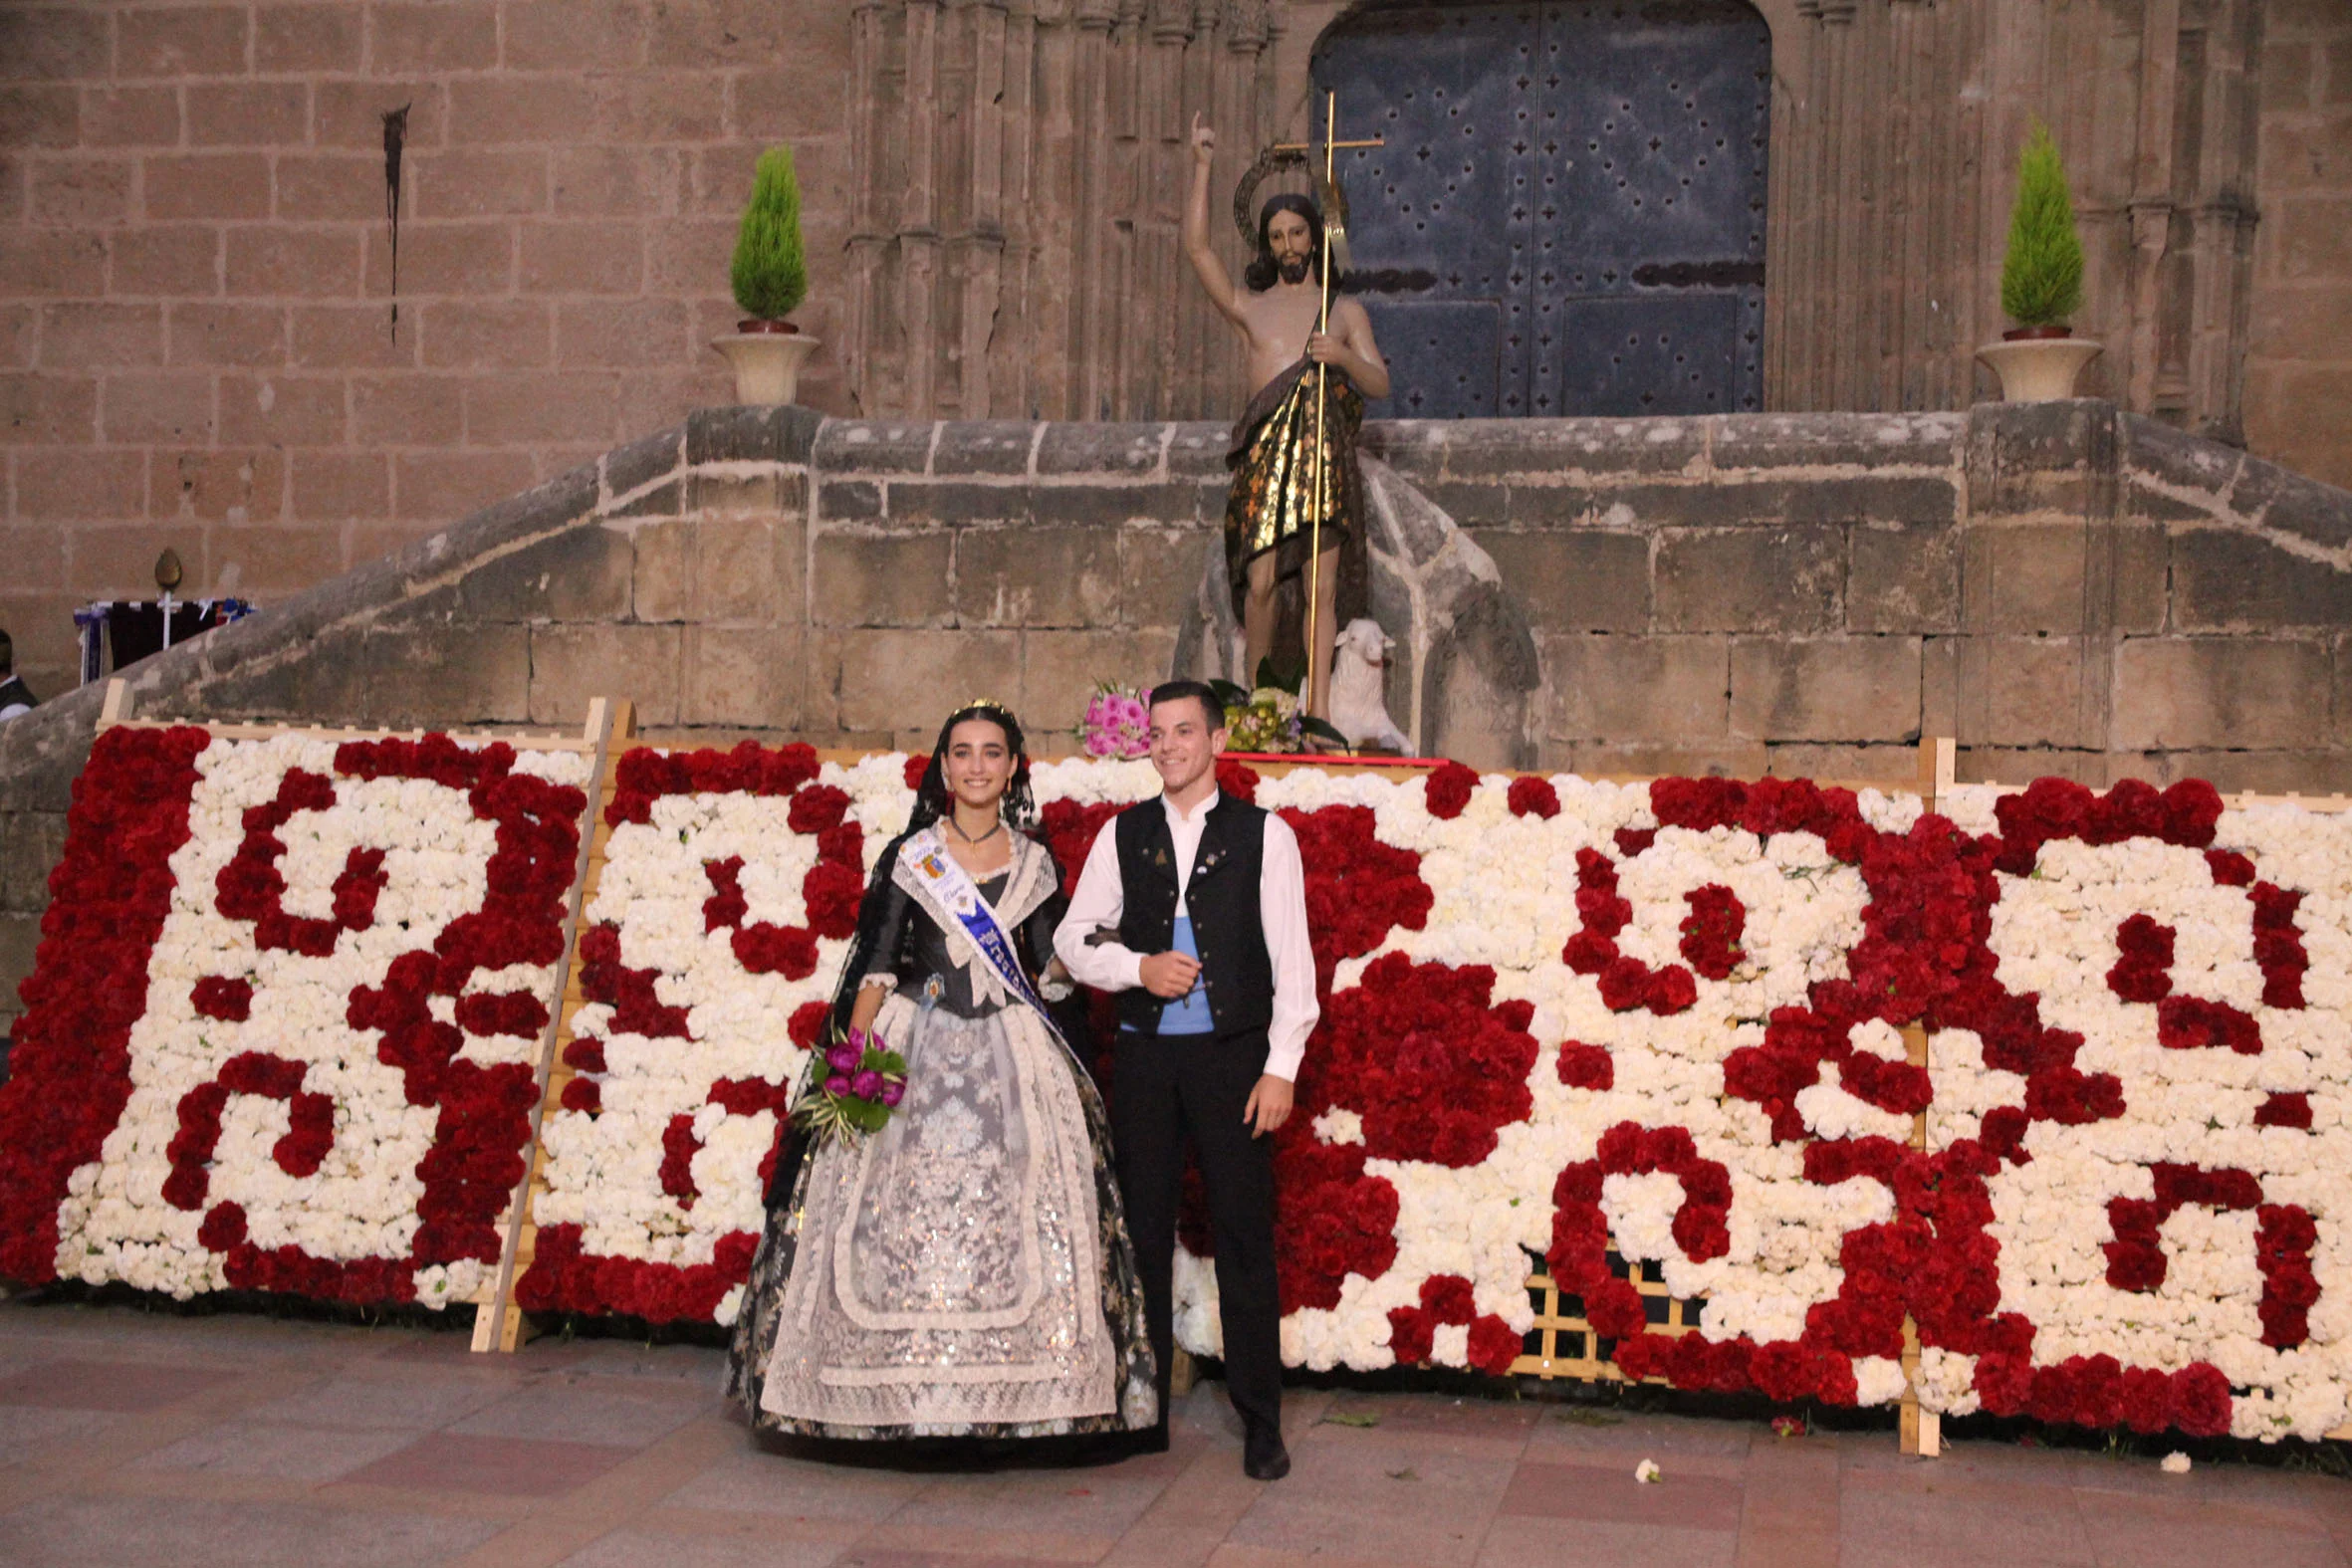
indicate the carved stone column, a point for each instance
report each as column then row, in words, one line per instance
column 1893, row 170
column 1019, row 171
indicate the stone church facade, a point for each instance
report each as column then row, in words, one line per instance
column 197, row 283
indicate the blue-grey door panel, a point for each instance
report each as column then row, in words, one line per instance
column 1547, row 156
column 1444, row 357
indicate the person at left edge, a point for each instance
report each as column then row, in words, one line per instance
column 16, row 698
column 959, row 1284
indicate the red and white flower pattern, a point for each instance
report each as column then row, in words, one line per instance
column 1559, row 1018
column 284, row 1028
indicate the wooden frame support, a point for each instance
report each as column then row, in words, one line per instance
column 1921, row 1431
column 498, row 1320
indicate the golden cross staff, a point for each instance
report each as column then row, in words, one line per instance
column 1334, row 253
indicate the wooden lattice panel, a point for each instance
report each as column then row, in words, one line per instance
column 1563, row 1344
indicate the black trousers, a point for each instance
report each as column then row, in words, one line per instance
column 1163, row 1089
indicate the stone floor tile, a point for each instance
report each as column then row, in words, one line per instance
column 128, row 1388
column 2146, row 1532
column 892, row 1557
column 1790, row 1486
column 196, row 1440
column 1655, row 1436
column 1587, row 1543
column 1434, row 1533
column 496, row 1466
column 1778, row 1546
column 1584, row 1492
column 644, row 1548
column 2143, row 1477
column 626, row 1358
column 2030, row 1525
column 1484, row 1447
column 1388, row 1477
column 1165, row 1546
column 1433, row 1414
column 374, row 1401
column 454, row 1347
column 112, row 1532
column 1096, row 1502
column 1039, row 1543
column 1232, row 1555
column 770, row 1483
column 29, row 1429
column 587, row 1410
column 296, row 1453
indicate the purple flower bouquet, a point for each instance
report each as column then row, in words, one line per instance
column 852, row 1085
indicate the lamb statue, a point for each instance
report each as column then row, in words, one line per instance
column 1357, row 708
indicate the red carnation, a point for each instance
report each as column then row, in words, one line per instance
column 221, row 997
column 1448, row 790
column 816, row 807
column 1584, row 1066
column 2284, row 1110
column 1448, row 1299
column 1533, row 796
column 1494, row 1345
column 2201, row 1400
column 1411, row 1334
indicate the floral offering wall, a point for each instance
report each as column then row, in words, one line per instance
column 2057, row 1080
column 284, row 1028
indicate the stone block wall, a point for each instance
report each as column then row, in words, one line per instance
column 197, row 347
column 2298, row 361
column 2065, row 587
column 196, row 274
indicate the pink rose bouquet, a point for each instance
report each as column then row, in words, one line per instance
column 1117, row 722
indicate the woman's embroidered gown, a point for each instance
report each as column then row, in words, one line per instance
column 965, row 1273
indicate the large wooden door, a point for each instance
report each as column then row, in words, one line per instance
column 1568, row 216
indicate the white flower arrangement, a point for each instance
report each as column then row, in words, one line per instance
column 359, row 1206
column 2161, row 1160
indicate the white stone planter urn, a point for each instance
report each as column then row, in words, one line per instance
column 2038, row 368
column 767, row 362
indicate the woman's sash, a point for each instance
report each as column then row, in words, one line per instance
column 950, row 890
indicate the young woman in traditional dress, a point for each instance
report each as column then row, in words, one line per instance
column 966, row 1271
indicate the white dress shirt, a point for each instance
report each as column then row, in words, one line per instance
column 1282, row 909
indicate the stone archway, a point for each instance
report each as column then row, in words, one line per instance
column 1569, row 215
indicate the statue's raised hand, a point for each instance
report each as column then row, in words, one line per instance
column 1204, row 140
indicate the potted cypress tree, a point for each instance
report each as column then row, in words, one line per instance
column 2040, row 358
column 770, row 278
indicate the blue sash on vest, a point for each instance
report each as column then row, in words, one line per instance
column 949, row 888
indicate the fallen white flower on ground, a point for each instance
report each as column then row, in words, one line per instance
column 2176, row 1463
column 1647, row 1470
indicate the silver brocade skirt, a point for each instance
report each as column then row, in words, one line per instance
column 966, row 1273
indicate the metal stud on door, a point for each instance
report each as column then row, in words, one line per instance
column 1568, row 215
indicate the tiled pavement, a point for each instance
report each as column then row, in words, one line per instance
column 127, row 1438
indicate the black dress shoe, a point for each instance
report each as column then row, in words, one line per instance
column 1262, row 1455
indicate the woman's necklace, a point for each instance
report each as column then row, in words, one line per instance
column 968, row 838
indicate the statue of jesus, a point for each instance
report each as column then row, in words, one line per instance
column 1271, row 513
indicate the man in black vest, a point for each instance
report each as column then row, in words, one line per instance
column 1193, row 909
column 15, row 696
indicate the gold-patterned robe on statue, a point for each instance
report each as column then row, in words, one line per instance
column 1272, row 504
